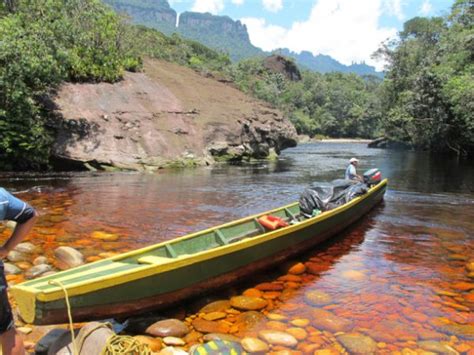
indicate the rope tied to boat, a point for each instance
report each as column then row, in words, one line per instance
column 71, row 327
column 116, row 344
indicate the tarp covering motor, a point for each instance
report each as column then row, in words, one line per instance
column 326, row 196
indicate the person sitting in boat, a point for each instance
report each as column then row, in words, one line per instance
column 12, row 209
column 351, row 172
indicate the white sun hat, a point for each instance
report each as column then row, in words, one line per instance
column 353, row 160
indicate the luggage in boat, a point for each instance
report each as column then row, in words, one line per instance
column 326, row 196
column 372, row 176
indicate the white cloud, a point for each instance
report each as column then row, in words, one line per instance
column 395, row 8
column 426, row 8
column 263, row 35
column 343, row 29
column 212, row 6
column 273, row 5
column 237, row 2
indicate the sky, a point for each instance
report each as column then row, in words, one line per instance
column 347, row 30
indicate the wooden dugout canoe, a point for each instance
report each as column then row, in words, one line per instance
column 168, row 272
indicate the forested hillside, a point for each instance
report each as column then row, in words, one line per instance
column 428, row 94
column 425, row 101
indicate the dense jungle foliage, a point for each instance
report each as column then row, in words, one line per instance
column 428, row 92
column 331, row 104
column 425, row 101
column 46, row 42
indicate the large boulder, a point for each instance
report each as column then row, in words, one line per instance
column 167, row 115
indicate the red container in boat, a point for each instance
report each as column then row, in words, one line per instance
column 272, row 222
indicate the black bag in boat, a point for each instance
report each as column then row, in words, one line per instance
column 326, row 196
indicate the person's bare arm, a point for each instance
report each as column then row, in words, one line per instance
column 19, row 233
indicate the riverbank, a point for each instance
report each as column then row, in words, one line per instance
column 302, row 139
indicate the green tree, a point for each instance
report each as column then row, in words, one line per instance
column 428, row 92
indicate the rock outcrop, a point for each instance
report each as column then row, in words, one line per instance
column 167, row 115
column 279, row 64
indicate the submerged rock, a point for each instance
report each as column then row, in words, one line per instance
column 154, row 344
column 16, row 256
column 317, row 298
column 207, row 326
column 27, row 248
column 168, row 328
column 37, row 270
column 358, row 343
column 70, row 257
column 11, row 269
column 248, row 303
column 40, row 260
column 216, row 306
column 221, row 336
column 326, row 320
column 276, row 337
column 437, row 347
column 254, row 345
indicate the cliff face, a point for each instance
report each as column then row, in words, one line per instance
column 148, row 13
column 218, row 32
column 166, row 116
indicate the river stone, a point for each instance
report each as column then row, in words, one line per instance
column 169, row 350
column 168, row 328
column 250, row 318
column 326, row 320
column 40, row 260
column 353, row 275
column 214, row 315
column 216, row 306
column 254, row 345
column 457, row 257
column 297, row 269
column 437, row 347
column 206, row 326
column 27, row 248
column 276, row 337
column 110, row 237
column 24, row 265
column 317, row 298
column 16, row 256
column 464, row 331
column 154, row 344
column 357, row 343
column 37, row 270
column 248, row 303
column 221, row 336
column 70, row 256
column 173, row 341
column 11, row 269
column 300, row 322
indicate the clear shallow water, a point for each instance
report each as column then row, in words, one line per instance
column 401, row 270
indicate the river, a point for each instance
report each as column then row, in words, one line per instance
column 399, row 275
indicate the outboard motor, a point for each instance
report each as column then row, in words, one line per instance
column 372, row 177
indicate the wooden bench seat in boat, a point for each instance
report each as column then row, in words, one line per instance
column 153, row 259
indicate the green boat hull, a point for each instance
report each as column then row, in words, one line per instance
column 172, row 286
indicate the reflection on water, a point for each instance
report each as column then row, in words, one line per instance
column 399, row 275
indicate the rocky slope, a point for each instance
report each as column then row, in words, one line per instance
column 167, row 115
